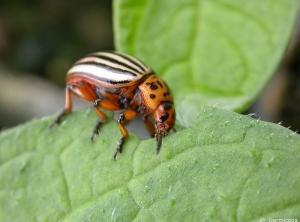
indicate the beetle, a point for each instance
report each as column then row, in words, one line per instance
column 116, row 81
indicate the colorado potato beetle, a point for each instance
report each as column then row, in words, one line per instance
column 116, row 81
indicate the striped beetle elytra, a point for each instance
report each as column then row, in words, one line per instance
column 116, row 81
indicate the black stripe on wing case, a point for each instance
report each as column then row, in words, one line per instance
column 141, row 65
column 107, row 67
column 113, row 60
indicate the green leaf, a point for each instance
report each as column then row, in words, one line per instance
column 225, row 167
column 216, row 52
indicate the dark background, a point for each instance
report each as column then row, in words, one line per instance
column 40, row 40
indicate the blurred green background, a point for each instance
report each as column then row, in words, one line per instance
column 40, row 40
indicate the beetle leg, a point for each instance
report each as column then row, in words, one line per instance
column 149, row 125
column 67, row 108
column 96, row 129
column 105, row 104
column 101, row 116
column 125, row 116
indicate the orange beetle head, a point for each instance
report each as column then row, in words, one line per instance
column 164, row 117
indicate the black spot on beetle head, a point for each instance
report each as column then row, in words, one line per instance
column 164, row 118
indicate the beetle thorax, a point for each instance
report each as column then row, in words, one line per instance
column 154, row 91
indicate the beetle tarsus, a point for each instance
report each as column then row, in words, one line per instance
column 58, row 119
column 119, row 148
column 96, row 130
column 159, row 143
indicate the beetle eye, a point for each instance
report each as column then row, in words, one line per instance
column 163, row 118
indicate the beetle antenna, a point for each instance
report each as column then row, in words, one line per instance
column 159, row 142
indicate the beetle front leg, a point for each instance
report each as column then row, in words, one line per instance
column 125, row 116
